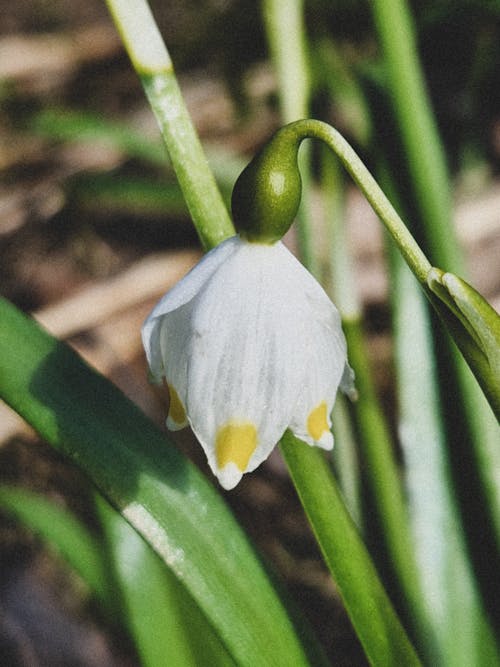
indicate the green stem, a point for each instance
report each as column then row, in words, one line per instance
column 277, row 162
column 409, row 248
column 450, row 591
column 153, row 65
column 285, row 32
column 377, row 626
column 284, row 22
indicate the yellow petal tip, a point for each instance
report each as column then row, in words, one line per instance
column 317, row 421
column 235, row 443
column 176, row 413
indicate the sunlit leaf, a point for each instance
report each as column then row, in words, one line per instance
column 159, row 492
column 127, row 577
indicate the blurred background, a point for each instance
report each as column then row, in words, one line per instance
column 93, row 229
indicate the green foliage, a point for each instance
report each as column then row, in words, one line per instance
column 162, row 495
column 204, row 596
column 370, row 610
column 127, row 578
column 66, row 125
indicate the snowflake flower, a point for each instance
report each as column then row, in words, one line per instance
column 249, row 345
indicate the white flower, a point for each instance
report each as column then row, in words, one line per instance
column 249, row 345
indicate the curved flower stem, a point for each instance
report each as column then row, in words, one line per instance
column 153, row 65
column 267, row 193
column 265, row 201
column 315, row 129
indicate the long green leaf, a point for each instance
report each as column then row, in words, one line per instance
column 372, row 615
column 166, row 624
column 426, row 165
column 127, row 577
column 130, row 196
column 382, row 474
column 66, row 534
column 159, row 492
column 450, row 592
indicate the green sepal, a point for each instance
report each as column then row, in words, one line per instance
column 475, row 327
column 267, row 194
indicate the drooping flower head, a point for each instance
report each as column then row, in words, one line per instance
column 249, row 345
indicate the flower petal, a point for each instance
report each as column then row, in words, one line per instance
column 174, row 331
column 182, row 293
column 244, row 368
column 234, row 445
column 325, row 367
column 249, row 345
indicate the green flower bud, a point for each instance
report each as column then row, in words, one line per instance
column 267, row 194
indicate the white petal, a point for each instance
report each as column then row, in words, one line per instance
column 249, row 344
column 245, row 366
column 181, row 294
column 324, row 369
column 229, row 476
column 174, row 333
column 311, row 417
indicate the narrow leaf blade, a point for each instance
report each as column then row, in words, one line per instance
column 159, row 492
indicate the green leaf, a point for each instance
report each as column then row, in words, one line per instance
column 66, row 534
column 130, row 196
column 371, row 612
column 475, row 327
column 159, row 492
column 166, row 624
column 66, row 125
column 386, row 498
column 127, row 577
column 449, row 590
